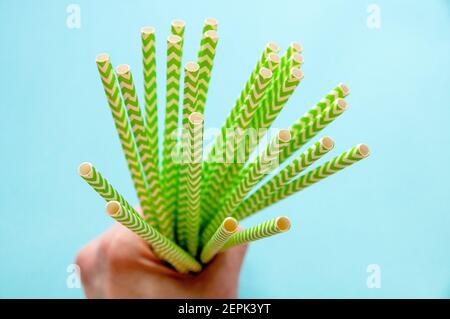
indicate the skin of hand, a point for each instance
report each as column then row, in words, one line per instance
column 120, row 264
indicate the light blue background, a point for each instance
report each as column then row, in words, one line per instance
column 390, row 209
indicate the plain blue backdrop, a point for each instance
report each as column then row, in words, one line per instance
column 390, row 209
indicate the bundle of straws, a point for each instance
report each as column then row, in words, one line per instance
column 191, row 203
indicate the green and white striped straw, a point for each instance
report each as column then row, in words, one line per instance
column 264, row 164
column 125, row 135
column 177, row 27
column 274, row 101
column 150, row 96
column 269, row 228
column 194, row 183
column 210, row 24
column 351, row 156
column 225, row 230
column 303, row 133
column 143, row 144
column 218, row 169
column 266, row 59
column 161, row 244
column 96, row 180
column 165, row 248
column 205, row 61
column 169, row 167
column 191, row 71
column 306, row 159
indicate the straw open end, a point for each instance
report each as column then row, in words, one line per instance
column 265, row 73
column 341, row 103
column 211, row 22
column 102, row 57
column 298, row 58
column 297, row 73
column 192, row 67
column 273, row 57
column 178, row 24
column 273, row 47
column 123, row 69
column 344, row 89
column 363, row 150
column 296, row 46
column 327, row 143
column 284, row 135
column 212, row 34
column 283, row 223
column 113, row 208
column 173, row 39
column 147, row 30
column 85, row 169
column 230, row 224
column 196, row 118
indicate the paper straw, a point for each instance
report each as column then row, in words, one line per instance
column 173, row 71
column 235, row 111
column 191, row 71
column 205, row 61
column 351, row 156
column 143, row 144
column 225, row 230
column 101, row 185
column 274, row 101
column 269, row 228
column 306, row 159
column 194, row 182
column 272, row 62
column 264, row 164
column 125, row 136
column 150, row 96
column 215, row 186
column 210, row 24
column 177, row 27
column 303, row 133
column 340, row 91
column 164, row 247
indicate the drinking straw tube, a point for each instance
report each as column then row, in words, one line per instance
column 125, row 136
column 351, row 156
column 225, row 230
column 307, row 158
column 269, row 228
column 205, row 61
column 165, row 248
column 256, row 171
column 169, row 168
column 144, row 143
column 194, row 183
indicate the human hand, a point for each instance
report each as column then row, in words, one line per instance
column 120, row 264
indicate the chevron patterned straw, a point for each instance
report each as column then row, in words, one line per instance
column 191, row 71
column 96, row 180
column 217, row 184
column 306, row 159
column 353, row 155
column 144, row 144
column 303, row 133
column 264, row 164
column 164, row 247
column 225, row 230
column 150, row 97
column 205, row 61
column 169, row 167
column 194, row 182
column 177, row 27
column 125, row 136
column 269, row 228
